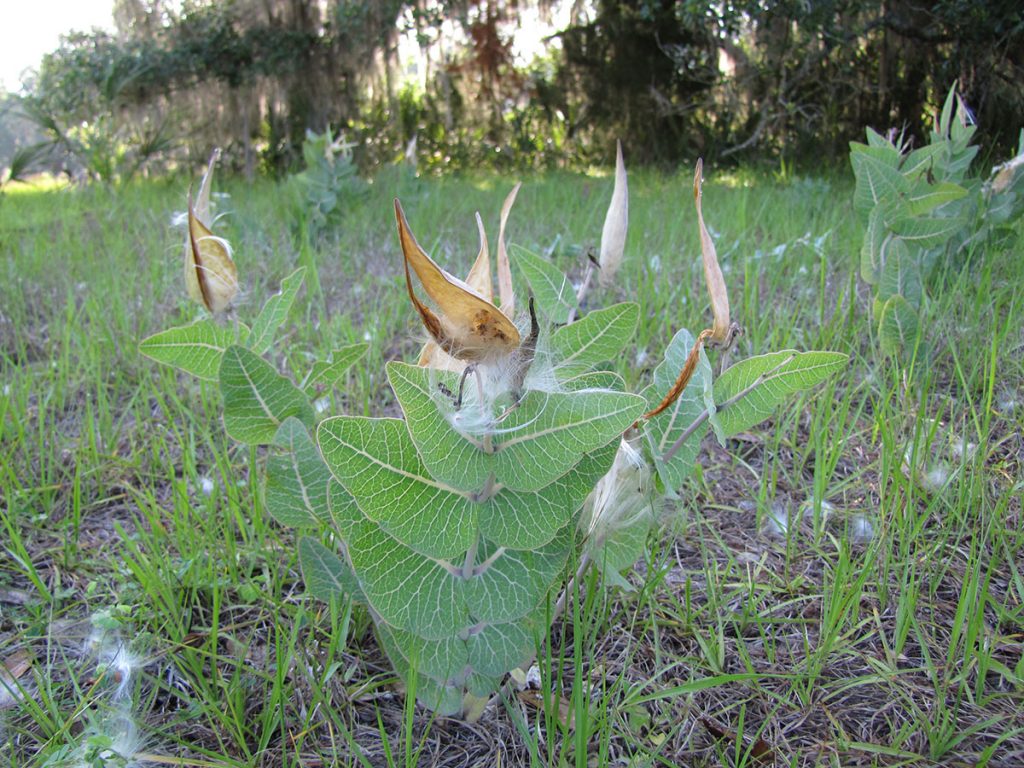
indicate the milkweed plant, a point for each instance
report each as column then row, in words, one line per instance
column 518, row 463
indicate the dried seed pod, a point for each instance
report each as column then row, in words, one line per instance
column 466, row 326
column 721, row 331
column 613, row 236
column 211, row 277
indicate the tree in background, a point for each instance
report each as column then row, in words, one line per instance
column 744, row 79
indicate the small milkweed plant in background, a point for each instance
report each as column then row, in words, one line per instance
column 923, row 212
column 517, row 462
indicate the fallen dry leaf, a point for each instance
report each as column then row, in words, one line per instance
column 760, row 750
column 535, row 699
column 13, row 667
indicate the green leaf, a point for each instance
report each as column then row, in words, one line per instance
column 901, row 275
column 297, row 478
column 446, row 700
column 196, row 348
column 878, row 180
column 343, row 509
column 595, row 380
column 960, row 162
column 598, row 337
column 448, row 455
column 377, row 463
column 529, row 520
column 445, row 661
column 274, row 312
column 257, row 399
column 877, row 140
column 555, row 295
column 663, row 430
column 927, row 232
column 490, row 651
column 748, row 392
column 407, row 589
column 516, row 580
column 878, row 147
column 877, row 239
column 925, row 197
column 326, row 574
column 325, row 375
column 946, row 117
column 500, row 648
column 922, row 160
column 537, row 442
column 549, row 432
column 898, row 326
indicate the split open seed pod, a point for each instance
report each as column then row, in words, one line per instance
column 722, row 332
column 479, row 279
column 211, row 277
column 465, row 325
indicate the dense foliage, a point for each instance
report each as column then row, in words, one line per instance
column 746, row 79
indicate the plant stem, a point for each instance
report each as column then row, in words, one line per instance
column 467, row 565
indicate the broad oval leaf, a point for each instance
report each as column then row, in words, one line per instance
column 257, row 399
column 445, row 700
column 324, row 375
column 407, row 589
column 927, row 232
column 516, row 580
column 597, row 338
column 196, row 348
column 536, row 443
column 529, row 520
column 377, row 463
column 662, row 431
column 898, row 326
column 326, row 573
column 445, row 661
column 879, row 182
column 901, row 275
column 499, row 648
column 748, row 392
column 555, row 295
column 925, row 197
column 297, row 478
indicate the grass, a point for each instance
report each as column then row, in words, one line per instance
column 840, row 586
